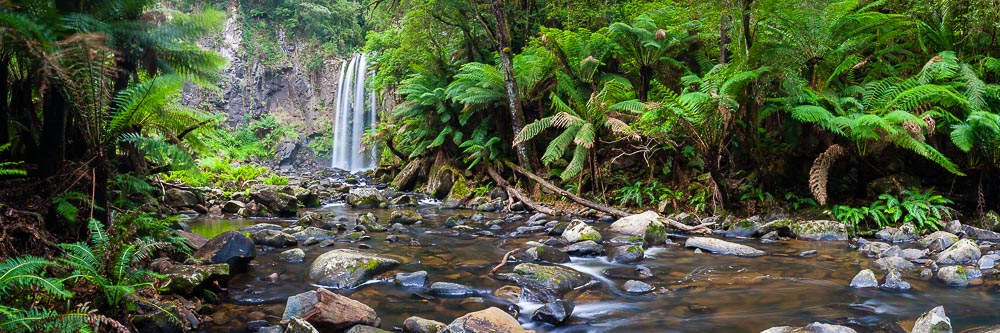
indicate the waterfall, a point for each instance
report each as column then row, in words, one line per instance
column 354, row 114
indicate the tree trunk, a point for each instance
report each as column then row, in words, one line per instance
column 4, row 107
column 524, row 151
column 53, row 138
column 724, row 23
column 747, row 33
column 645, row 77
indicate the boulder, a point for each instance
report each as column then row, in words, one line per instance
column 939, row 240
column 819, row 230
column 186, row 279
column 547, row 254
column 963, row 252
column 637, row 287
column 299, row 325
column 953, row 276
column 415, row 279
column 315, row 233
column 326, row 221
column 816, row 327
column 260, row 226
column 579, row 231
column 894, row 262
column 366, row 197
column 307, row 198
column 232, row 206
column 421, row 325
column 722, row 247
column 980, row 234
column 180, row 198
column 864, row 279
column 370, row 222
column 450, row 289
column 894, row 281
column 491, row 320
column 989, row 261
column 276, row 202
column 744, row 228
column 230, row 247
column 903, row 234
column 344, row 268
column 636, row 225
column 192, row 240
column 554, row 313
column 328, row 311
column 546, row 283
column 405, row 217
column 933, row 321
column 584, row 248
column 627, row 254
column 365, row 329
column 293, row 256
column 274, row 238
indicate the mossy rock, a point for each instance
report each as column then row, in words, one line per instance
column 547, row 283
column 344, row 268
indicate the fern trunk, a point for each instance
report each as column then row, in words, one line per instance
column 524, row 152
column 4, row 107
column 54, row 113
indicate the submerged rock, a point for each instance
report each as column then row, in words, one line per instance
column 864, row 279
column 722, row 247
column 933, row 321
column 491, row 320
column 344, row 268
column 450, row 289
column 230, row 247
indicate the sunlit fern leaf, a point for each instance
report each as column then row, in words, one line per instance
column 557, row 147
column 585, row 136
column 161, row 152
column 533, row 129
column 576, row 164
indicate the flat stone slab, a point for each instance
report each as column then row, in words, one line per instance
column 723, row 247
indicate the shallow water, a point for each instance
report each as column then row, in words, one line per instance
column 695, row 292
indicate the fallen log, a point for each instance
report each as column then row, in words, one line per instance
column 694, row 229
column 517, row 194
column 571, row 196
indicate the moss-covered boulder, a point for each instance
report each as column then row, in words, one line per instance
column 546, row 283
column 933, row 321
column 276, row 200
column 722, row 247
column 819, row 230
column 626, row 254
column 366, row 197
column 186, row 279
column 344, row 268
column 405, row 217
column 963, row 252
column 580, row 231
column 953, row 276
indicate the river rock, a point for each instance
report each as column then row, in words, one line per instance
column 277, row 202
column 913, row 254
column 744, row 228
column 328, row 311
column 230, row 247
column 819, row 230
column 903, row 234
column 326, row 221
column 894, row 262
column 260, row 226
column 491, row 320
column 636, row 225
column 543, row 282
column 722, row 247
column 637, row 287
column 415, row 279
column 405, row 217
column 366, row 197
column 963, row 252
column 344, row 268
column 579, row 231
column 299, row 325
column 232, row 206
column 584, row 248
column 816, row 327
column 938, row 240
column 933, row 321
column 894, row 281
column 370, row 222
column 421, row 325
column 186, row 278
column 315, row 233
column 628, row 254
column 307, row 198
column 365, row 329
column 192, row 240
column 450, row 289
column 180, row 198
column 274, row 238
column 980, row 234
column 873, row 249
column 989, row 261
column 547, row 254
column 953, row 276
column 554, row 313
column 293, row 256
column 864, row 279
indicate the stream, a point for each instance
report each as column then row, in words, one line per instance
column 695, row 292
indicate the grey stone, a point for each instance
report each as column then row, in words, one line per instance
column 864, row 279
column 275, row 201
column 547, row 254
column 546, row 283
column 415, row 279
column 314, row 232
column 366, row 197
column 579, row 231
column 637, row 287
column 421, row 325
column 405, row 217
column 890, row 263
column 627, row 254
column 988, row 261
column 819, row 230
column 554, row 313
column 953, row 276
column 293, row 256
column 938, row 240
column 450, row 289
column 933, row 321
column 722, row 247
column 299, row 325
column 963, row 252
column 636, row 225
column 230, row 247
column 344, row 268
column 233, row 206
column 180, row 198
column 584, row 248
column 274, row 238
column 485, row 321
column 894, row 281
column 187, row 278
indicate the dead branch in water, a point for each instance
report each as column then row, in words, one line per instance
column 517, row 194
column 503, row 262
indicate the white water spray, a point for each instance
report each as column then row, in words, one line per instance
column 354, row 114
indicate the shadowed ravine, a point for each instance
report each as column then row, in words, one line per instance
column 696, row 292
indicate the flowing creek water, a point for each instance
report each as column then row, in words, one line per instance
column 696, row 292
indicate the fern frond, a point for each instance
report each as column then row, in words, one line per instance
column 557, row 147
column 585, row 136
column 576, row 164
column 531, row 130
column 819, row 173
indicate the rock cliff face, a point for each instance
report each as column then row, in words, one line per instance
column 291, row 93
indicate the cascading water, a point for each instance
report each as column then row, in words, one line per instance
column 354, row 114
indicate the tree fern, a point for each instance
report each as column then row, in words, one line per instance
column 22, row 282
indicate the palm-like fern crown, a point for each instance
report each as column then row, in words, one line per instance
column 642, row 43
